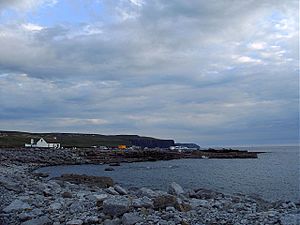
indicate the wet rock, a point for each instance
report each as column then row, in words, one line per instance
column 102, row 182
column 131, row 218
column 16, row 205
column 43, row 220
column 175, row 189
column 116, row 205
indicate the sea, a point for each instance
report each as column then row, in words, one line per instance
column 273, row 176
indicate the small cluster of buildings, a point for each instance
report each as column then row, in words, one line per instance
column 42, row 143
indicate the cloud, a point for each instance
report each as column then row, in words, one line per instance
column 194, row 71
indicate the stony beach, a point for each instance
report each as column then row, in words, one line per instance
column 30, row 198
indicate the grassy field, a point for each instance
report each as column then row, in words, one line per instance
column 18, row 139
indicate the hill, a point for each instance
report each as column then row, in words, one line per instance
column 18, row 139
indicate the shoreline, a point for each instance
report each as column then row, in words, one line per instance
column 28, row 198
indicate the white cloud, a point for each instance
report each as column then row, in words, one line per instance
column 32, row 27
column 247, row 59
column 257, row 45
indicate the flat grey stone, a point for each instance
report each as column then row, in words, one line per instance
column 131, row 218
column 16, row 205
column 116, row 205
column 43, row 220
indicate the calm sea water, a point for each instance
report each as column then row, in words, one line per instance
column 273, row 176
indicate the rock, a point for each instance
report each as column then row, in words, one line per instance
column 16, row 205
column 100, row 198
column 131, row 218
column 55, row 206
column 66, row 194
column 147, row 192
column 109, row 169
column 175, row 189
column 195, row 203
column 120, row 190
column 74, row 222
column 290, row 219
column 24, row 216
column 91, row 220
column 111, row 191
column 102, row 182
column 76, row 207
column 43, row 220
column 163, row 200
column 116, row 206
column 142, row 202
column 115, row 221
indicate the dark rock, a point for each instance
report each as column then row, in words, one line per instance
column 66, row 194
column 102, row 182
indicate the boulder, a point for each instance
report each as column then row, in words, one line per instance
column 120, row 190
column 43, row 220
column 147, row 192
column 175, row 189
column 66, row 194
column 100, row 198
column 16, row 205
column 111, row 191
column 116, row 205
column 55, row 206
column 131, row 218
column 142, row 202
column 163, row 199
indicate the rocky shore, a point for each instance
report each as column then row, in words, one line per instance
column 28, row 198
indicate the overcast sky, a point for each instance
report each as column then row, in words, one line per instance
column 218, row 72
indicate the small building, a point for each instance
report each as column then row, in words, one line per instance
column 42, row 143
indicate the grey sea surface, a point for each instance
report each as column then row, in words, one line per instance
column 272, row 176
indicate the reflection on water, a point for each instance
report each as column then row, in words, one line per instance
column 273, row 175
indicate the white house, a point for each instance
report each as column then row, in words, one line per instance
column 41, row 143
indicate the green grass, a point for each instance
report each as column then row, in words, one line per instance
column 18, row 139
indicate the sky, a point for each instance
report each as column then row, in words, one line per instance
column 219, row 72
